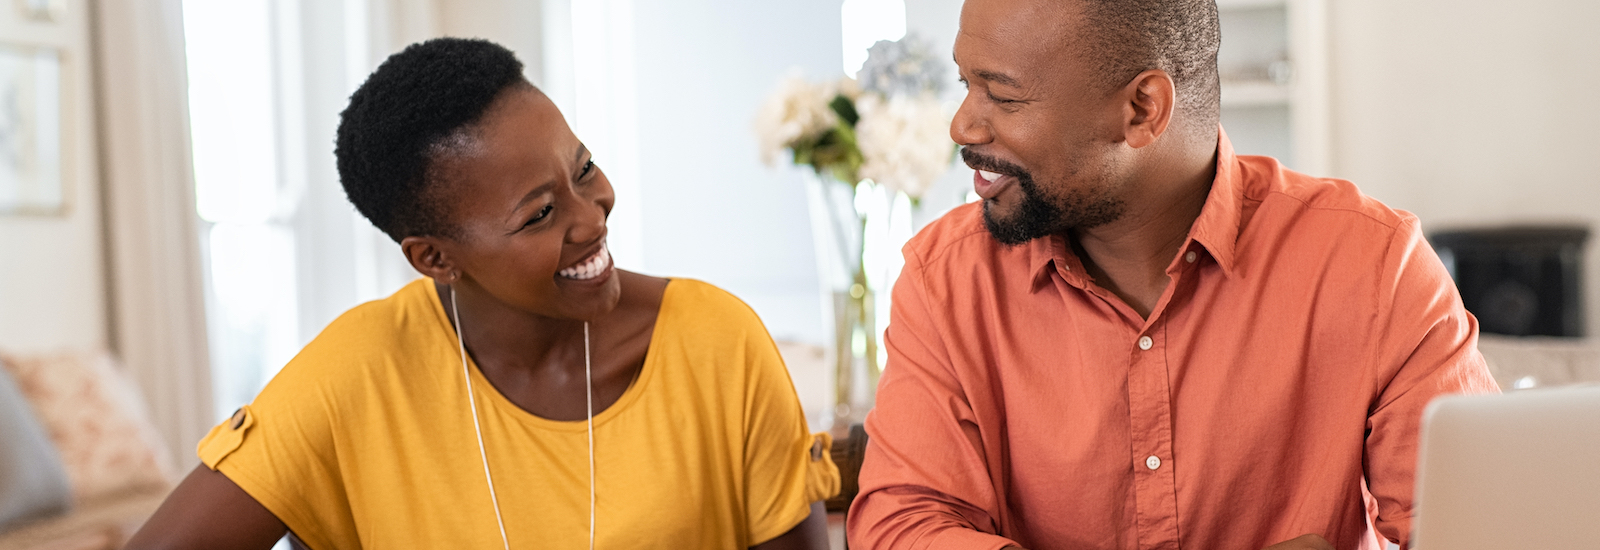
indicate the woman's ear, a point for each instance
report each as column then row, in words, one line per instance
column 427, row 256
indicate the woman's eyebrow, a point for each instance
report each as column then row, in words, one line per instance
column 535, row 192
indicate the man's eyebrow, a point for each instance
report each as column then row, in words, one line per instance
column 1001, row 78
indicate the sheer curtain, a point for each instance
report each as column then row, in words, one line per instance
column 158, row 312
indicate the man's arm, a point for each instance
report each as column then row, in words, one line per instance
column 1425, row 345
column 924, row 480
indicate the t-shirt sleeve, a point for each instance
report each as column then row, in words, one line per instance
column 786, row 467
column 280, row 450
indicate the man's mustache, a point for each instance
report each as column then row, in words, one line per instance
column 980, row 161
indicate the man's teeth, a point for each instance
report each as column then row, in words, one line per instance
column 988, row 176
column 590, row 269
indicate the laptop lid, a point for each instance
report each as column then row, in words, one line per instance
column 1520, row 470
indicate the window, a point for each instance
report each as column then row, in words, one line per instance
column 864, row 23
column 247, row 241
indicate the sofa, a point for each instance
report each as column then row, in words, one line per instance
column 82, row 466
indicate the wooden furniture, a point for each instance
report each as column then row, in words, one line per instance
column 104, row 525
column 847, row 454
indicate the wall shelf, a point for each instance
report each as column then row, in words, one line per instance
column 1273, row 65
column 1255, row 93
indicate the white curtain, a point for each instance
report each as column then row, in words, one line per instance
column 158, row 311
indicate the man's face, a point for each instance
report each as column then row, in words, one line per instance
column 1039, row 128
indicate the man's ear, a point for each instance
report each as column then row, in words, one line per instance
column 427, row 256
column 1151, row 98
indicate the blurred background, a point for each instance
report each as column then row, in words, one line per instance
column 170, row 210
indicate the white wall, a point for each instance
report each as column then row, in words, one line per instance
column 1472, row 112
column 52, row 290
column 513, row 24
column 711, row 210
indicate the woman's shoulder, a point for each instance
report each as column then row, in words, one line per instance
column 707, row 307
column 387, row 322
column 377, row 334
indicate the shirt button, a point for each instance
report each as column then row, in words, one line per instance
column 1145, row 342
column 1189, row 257
column 1153, row 462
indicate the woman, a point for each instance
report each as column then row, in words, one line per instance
column 526, row 394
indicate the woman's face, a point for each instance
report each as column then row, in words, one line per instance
column 529, row 207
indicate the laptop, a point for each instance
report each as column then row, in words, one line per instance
column 1520, row 470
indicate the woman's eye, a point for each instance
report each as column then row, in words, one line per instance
column 541, row 215
column 587, row 168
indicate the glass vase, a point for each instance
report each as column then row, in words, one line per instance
column 857, row 262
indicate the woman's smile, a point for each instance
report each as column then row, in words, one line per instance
column 595, row 267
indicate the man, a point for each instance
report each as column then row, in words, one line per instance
column 1139, row 339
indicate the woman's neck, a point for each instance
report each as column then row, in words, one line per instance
column 498, row 334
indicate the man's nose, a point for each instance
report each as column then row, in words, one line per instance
column 969, row 127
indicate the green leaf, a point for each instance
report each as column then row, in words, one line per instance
column 846, row 110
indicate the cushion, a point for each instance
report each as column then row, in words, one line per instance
column 32, row 481
column 93, row 413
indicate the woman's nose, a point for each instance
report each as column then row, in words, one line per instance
column 590, row 222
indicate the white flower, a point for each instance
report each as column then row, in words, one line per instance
column 797, row 111
column 905, row 141
column 902, row 67
column 849, row 88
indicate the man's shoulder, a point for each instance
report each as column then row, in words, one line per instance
column 1338, row 198
column 959, row 230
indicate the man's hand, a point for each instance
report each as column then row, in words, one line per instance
column 1303, row 542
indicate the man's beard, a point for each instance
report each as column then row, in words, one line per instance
column 1038, row 214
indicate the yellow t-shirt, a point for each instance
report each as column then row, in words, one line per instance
column 365, row 440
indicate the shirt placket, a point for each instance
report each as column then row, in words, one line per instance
column 1150, row 420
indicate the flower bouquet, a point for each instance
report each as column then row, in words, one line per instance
column 876, row 144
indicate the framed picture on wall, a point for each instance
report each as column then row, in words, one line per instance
column 30, row 131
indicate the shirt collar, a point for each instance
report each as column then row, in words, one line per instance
column 1216, row 229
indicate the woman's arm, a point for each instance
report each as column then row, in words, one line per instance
column 208, row 511
column 811, row 534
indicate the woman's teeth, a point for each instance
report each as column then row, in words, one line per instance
column 988, row 176
column 596, row 265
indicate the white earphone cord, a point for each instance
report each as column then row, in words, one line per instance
column 588, row 390
column 588, row 386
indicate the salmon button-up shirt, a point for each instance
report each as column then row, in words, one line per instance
column 1274, row 391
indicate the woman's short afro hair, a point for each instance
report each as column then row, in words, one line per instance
column 410, row 106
